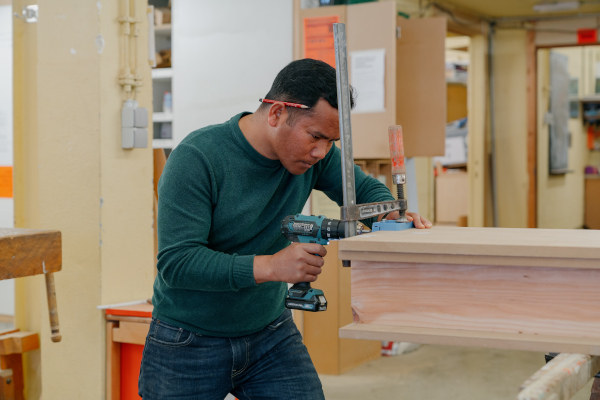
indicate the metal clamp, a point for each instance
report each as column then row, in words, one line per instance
column 29, row 14
column 369, row 210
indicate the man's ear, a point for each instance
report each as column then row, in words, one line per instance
column 277, row 115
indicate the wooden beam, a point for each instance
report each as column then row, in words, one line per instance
column 531, row 130
column 27, row 252
column 18, row 343
column 561, row 378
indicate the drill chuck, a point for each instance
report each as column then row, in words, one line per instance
column 311, row 229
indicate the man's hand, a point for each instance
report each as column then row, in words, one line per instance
column 296, row 263
column 420, row 222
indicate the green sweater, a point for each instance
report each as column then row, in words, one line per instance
column 221, row 203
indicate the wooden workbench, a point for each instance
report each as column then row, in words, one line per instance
column 524, row 289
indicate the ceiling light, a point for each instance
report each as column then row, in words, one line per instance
column 556, row 7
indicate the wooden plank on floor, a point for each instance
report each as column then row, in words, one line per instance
column 561, row 378
column 455, row 337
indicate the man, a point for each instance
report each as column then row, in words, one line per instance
column 219, row 321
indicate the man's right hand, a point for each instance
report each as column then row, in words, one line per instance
column 296, row 263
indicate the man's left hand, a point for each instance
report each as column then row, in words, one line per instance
column 419, row 221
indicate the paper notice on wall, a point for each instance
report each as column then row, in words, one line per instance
column 368, row 78
column 318, row 38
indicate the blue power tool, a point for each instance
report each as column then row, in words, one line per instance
column 309, row 229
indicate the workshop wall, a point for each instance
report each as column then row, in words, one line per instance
column 72, row 175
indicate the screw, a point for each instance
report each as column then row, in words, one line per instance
column 8, row 381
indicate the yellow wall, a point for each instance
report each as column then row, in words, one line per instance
column 560, row 197
column 72, row 175
column 511, row 127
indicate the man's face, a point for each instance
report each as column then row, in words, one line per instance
column 310, row 138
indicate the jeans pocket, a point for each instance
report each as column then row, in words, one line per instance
column 169, row 335
column 283, row 318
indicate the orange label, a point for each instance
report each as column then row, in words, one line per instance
column 6, row 182
column 318, row 38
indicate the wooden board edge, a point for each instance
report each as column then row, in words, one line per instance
column 113, row 364
column 461, row 259
column 451, row 337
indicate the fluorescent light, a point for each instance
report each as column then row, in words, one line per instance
column 556, row 7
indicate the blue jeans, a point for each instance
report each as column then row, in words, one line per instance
column 270, row 364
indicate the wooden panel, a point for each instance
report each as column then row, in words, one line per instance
column 456, row 101
column 19, row 342
column 574, row 245
column 113, row 363
column 455, row 337
column 592, row 200
column 476, row 125
column 27, row 252
column 451, row 196
column 320, row 329
column 531, row 131
column 329, row 354
column 520, row 300
column 421, row 85
column 136, row 310
column 131, row 332
column 561, row 378
column 373, row 26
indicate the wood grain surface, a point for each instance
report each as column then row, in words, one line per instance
column 520, row 300
column 566, row 248
column 18, row 342
column 457, row 337
column 27, row 252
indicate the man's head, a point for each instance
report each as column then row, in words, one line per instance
column 301, row 137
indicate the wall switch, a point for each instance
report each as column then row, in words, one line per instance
column 128, row 114
column 140, row 140
column 141, row 117
column 127, row 138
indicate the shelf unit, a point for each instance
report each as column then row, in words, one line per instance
column 162, row 82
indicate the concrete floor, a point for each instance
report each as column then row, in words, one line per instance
column 440, row 373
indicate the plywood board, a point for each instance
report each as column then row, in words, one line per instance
column 565, row 248
column 592, row 200
column 421, row 85
column 519, row 300
column 131, row 332
column 451, row 196
column 457, row 337
column 373, row 26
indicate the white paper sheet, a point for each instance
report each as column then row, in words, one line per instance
column 367, row 77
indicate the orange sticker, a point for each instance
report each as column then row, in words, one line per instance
column 6, row 182
column 318, row 38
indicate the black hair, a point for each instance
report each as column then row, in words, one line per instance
column 305, row 82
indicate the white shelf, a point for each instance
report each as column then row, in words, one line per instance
column 162, row 73
column 162, row 117
column 162, row 143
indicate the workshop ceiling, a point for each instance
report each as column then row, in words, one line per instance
column 511, row 8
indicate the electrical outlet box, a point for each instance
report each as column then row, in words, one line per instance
column 141, row 117
column 140, row 140
column 127, row 138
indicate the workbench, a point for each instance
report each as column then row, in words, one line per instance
column 126, row 331
column 23, row 253
column 521, row 289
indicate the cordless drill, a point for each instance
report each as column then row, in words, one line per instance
column 309, row 229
